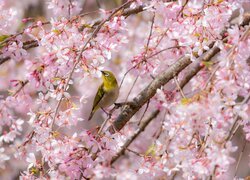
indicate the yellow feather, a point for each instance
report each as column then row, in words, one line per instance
column 106, row 94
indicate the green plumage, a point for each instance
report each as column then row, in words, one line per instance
column 106, row 94
column 99, row 94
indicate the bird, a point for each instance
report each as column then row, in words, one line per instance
column 106, row 94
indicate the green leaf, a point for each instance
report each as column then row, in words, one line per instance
column 185, row 101
column 3, row 37
column 207, row 64
column 56, row 31
column 151, row 150
column 35, row 171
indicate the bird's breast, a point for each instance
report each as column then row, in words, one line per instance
column 109, row 98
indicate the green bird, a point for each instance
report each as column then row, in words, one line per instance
column 107, row 92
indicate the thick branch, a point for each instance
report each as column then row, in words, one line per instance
column 161, row 80
column 151, row 89
column 134, row 136
column 149, row 92
column 4, row 59
column 129, row 11
column 30, row 44
column 195, row 67
column 246, row 19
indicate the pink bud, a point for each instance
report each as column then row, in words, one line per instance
column 39, row 23
column 28, row 30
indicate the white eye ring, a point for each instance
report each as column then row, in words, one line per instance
column 106, row 74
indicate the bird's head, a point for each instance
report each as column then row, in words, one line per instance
column 108, row 78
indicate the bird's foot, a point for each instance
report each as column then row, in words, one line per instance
column 118, row 105
column 105, row 111
column 109, row 114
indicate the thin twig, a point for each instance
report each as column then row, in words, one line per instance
column 23, row 84
column 145, row 54
column 26, row 45
column 136, row 153
column 144, row 112
column 213, row 175
column 150, row 90
column 98, row 3
column 127, row 12
column 165, row 49
column 196, row 67
column 179, row 88
column 182, row 8
column 164, row 78
column 235, row 127
column 69, row 8
column 211, row 76
column 102, row 126
column 204, row 142
column 240, row 156
column 157, row 134
column 133, row 85
column 134, row 136
column 150, row 35
column 151, row 56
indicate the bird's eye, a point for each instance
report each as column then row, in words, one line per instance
column 106, row 74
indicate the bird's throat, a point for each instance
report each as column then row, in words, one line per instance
column 109, row 86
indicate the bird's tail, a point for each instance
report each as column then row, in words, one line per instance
column 93, row 112
column 91, row 115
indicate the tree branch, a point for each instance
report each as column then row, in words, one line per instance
column 92, row 36
column 134, row 136
column 164, row 78
column 23, row 84
column 196, row 67
column 26, row 45
column 148, row 93
column 33, row 43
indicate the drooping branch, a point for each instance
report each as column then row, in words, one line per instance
column 26, row 45
column 34, row 43
column 150, row 90
column 148, row 93
column 237, row 118
column 195, row 67
column 23, row 84
column 162, row 79
column 141, row 128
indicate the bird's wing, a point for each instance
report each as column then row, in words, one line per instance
column 99, row 95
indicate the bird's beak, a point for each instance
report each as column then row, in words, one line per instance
column 102, row 72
